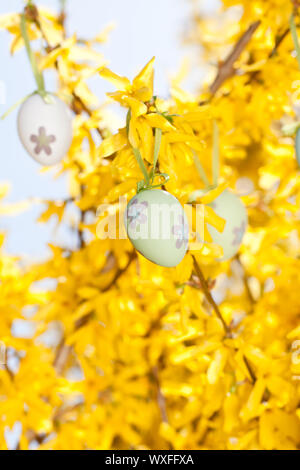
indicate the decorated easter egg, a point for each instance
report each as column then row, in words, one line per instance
column 45, row 128
column 157, row 226
column 228, row 206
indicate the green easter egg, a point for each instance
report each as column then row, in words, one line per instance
column 229, row 207
column 157, row 226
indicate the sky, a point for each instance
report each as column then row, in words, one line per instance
column 143, row 29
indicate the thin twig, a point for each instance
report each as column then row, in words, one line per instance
column 120, row 272
column 278, row 42
column 61, row 412
column 227, row 69
column 208, row 295
column 62, row 355
column 250, row 370
column 80, row 231
column 161, row 401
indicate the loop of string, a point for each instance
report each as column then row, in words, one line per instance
column 37, row 74
column 39, row 79
column 14, row 106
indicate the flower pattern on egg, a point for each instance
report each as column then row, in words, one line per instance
column 238, row 233
column 43, row 141
column 181, row 233
column 136, row 213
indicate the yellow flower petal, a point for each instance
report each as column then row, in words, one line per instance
column 156, row 120
column 213, row 219
column 217, row 365
column 213, row 194
column 144, row 80
column 113, row 144
column 121, row 83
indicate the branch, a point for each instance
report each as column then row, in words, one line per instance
column 82, row 321
column 208, row 295
column 161, row 401
column 120, row 272
column 61, row 357
column 250, row 370
column 227, row 69
column 279, row 40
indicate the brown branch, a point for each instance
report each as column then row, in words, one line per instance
column 161, row 401
column 227, row 69
column 250, row 370
column 278, row 41
column 79, row 230
column 61, row 412
column 208, row 295
column 62, row 355
column 82, row 321
column 273, row 52
column 296, row 4
column 120, row 272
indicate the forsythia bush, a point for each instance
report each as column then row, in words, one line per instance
column 127, row 354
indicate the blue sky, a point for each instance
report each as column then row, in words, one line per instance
column 143, row 29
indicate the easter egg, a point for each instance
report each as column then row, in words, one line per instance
column 157, row 226
column 228, row 206
column 45, row 128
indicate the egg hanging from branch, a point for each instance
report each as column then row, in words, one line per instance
column 228, row 206
column 45, row 128
column 157, row 226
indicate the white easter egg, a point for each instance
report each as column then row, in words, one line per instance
column 45, row 129
column 157, row 226
column 232, row 210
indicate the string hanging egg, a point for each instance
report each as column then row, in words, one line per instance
column 44, row 121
